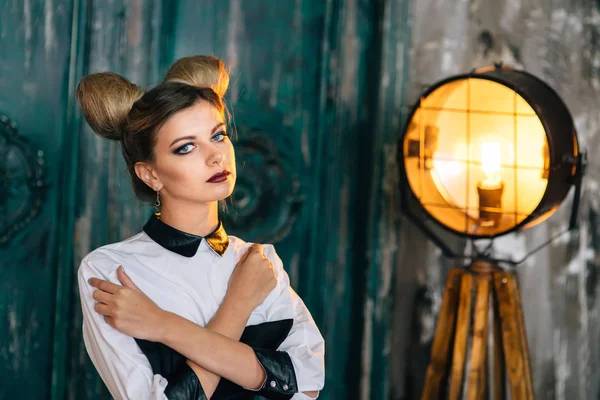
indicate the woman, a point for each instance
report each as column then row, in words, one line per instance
column 182, row 310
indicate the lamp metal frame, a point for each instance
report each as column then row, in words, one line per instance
column 567, row 161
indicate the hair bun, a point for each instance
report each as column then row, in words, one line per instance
column 201, row 71
column 106, row 98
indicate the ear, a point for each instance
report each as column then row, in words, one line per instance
column 148, row 175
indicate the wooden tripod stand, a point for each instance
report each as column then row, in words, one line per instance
column 483, row 281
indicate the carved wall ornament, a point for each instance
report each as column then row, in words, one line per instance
column 267, row 198
column 22, row 186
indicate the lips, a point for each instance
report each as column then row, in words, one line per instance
column 219, row 177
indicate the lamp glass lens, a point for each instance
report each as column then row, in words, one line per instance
column 476, row 156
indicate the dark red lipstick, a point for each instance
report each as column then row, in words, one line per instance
column 219, row 177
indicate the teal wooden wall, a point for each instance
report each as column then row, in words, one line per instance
column 35, row 78
column 315, row 91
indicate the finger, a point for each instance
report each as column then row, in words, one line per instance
column 102, row 296
column 110, row 321
column 256, row 252
column 102, row 309
column 106, row 286
column 272, row 268
column 125, row 279
column 252, row 249
column 246, row 254
column 243, row 258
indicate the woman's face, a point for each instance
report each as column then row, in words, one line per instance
column 194, row 157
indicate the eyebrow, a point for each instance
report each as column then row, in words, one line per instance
column 213, row 130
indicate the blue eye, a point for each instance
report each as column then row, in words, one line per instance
column 219, row 136
column 186, row 148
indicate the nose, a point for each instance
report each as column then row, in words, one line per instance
column 215, row 157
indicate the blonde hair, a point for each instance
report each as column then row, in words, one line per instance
column 106, row 98
column 117, row 109
column 201, row 71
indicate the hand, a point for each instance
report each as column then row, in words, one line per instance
column 252, row 279
column 127, row 309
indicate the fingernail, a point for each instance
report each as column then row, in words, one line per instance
column 121, row 268
column 90, row 281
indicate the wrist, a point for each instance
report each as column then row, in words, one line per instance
column 167, row 326
column 239, row 307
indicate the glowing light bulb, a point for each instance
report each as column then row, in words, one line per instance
column 490, row 164
column 491, row 187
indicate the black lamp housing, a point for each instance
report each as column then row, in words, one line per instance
column 566, row 162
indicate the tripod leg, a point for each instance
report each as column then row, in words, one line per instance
column 513, row 336
column 438, row 366
column 477, row 362
column 522, row 335
column 499, row 388
column 463, row 322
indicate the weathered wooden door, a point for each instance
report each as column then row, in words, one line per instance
column 36, row 146
column 305, row 84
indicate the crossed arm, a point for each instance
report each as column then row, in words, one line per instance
column 212, row 352
column 229, row 321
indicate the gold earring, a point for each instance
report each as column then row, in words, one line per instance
column 157, row 202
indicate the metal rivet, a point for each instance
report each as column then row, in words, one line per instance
column 285, row 387
column 273, row 384
column 504, row 280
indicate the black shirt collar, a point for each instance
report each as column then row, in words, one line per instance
column 183, row 243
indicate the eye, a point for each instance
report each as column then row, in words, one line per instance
column 186, row 148
column 219, row 136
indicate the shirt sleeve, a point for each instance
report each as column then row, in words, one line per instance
column 304, row 344
column 123, row 367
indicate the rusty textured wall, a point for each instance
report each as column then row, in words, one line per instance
column 340, row 72
column 556, row 40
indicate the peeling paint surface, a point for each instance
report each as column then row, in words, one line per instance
column 284, row 62
column 559, row 42
column 34, row 49
column 338, row 74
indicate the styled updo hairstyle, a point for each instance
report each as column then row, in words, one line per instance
column 116, row 109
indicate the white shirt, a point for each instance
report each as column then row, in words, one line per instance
column 193, row 287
